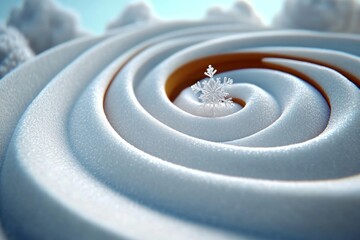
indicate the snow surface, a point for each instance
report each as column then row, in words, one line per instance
column 92, row 147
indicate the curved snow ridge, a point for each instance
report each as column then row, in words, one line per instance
column 114, row 146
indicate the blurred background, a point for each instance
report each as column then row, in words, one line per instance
column 95, row 15
column 30, row 27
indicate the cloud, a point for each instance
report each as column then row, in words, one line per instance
column 14, row 50
column 139, row 12
column 44, row 23
column 242, row 11
column 320, row 15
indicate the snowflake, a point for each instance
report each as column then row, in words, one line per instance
column 213, row 93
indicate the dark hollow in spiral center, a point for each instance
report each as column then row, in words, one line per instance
column 191, row 72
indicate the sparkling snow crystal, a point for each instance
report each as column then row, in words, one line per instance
column 213, row 93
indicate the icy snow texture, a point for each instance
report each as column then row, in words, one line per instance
column 92, row 147
column 241, row 12
column 139, row 12
column 14, row 50
column 44, row 24
column 213, row 92
column 320, row 15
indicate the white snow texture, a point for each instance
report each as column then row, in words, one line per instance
column 139, row 12
column 44, row 23
column 14, row 50
column 320, row 15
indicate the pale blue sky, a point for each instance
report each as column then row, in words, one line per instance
column 95, row 14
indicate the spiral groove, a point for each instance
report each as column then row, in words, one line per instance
column 110, row 143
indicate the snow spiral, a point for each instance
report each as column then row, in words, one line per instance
column 100, row 151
